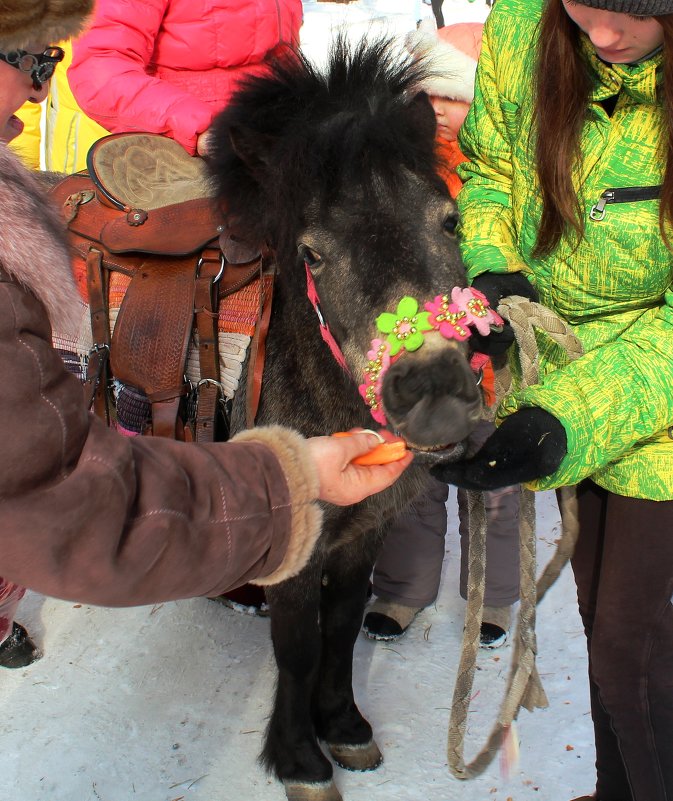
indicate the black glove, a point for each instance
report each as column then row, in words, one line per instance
column 497, row 286
column 529, row 444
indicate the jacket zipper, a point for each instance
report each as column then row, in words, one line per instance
column 627, row 194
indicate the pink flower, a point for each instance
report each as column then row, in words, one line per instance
column 475, row 305
column 447, row 318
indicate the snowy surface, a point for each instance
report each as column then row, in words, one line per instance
column 169, row 703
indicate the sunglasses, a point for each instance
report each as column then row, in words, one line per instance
column 40, row 66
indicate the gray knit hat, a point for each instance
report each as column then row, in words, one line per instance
column 40, row 21
column 639, row 8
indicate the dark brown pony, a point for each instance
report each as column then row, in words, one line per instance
column 337, row 173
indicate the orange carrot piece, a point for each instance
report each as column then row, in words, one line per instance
column 389, row 451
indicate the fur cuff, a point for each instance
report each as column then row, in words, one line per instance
column 302, row 481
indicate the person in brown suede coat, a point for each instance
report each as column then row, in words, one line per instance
column 87, row 514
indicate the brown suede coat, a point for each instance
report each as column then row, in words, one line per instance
column 89, row 515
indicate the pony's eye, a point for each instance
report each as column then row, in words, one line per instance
column 310, row 256
column 451, row 223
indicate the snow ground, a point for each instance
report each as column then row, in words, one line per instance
column 169, row 703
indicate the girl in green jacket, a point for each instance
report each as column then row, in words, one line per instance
column 568, row 198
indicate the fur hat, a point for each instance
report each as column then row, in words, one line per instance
column 450, row 55
column 638, row 8
column 40, row 21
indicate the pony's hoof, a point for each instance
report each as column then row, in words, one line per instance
column 312, row 791
column 356, row 757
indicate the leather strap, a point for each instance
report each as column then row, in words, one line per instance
column 95, row 383
column 151, row 336
column 258, row 346
column 236, row 276
column 211, row 266
column 176, row 230
column 165, row 418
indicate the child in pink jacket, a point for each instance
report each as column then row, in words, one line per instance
column 168, row 66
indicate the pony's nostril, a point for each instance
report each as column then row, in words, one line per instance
column 405, row 386
column 410, row 382
column 433, row 401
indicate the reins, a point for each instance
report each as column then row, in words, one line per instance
column 524, row 687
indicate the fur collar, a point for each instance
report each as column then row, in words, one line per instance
column 33, row 246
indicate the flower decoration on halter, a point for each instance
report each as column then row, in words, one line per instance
column 406, row 327
column 451, row 315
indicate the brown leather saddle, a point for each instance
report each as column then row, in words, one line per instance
column 145, row 209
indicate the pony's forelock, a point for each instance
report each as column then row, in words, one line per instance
column 300, row 130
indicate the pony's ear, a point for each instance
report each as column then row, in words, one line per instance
column 253, row 148
column 420, row 110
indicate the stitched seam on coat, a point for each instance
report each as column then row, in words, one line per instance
column 171, row 512
column 223, row 502
column 98, row 460
column 115, row 474
column 263, row 514
column 64, row 429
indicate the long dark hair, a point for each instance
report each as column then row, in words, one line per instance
column 562, row 87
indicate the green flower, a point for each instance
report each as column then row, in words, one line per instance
column 404, row 328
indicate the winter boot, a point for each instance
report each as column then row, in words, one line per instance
column 18, row 650
column 387, row 620
column 495, row 626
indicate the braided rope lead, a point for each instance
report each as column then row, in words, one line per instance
column 524, row 687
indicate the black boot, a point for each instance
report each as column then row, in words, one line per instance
column 18, row 650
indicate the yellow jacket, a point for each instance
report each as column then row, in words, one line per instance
column 68, row 132
column 614, row 287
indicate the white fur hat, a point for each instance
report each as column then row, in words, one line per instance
column 450, row 55
column 40, row 21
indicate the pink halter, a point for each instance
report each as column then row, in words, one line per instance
column 450, row 315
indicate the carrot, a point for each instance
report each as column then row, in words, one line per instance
column 388, row 451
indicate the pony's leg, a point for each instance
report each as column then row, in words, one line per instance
column 291, row 748
column 338, row 720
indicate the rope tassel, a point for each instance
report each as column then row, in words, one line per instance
column 524, row 686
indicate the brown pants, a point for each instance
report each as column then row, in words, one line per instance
column 623, row 567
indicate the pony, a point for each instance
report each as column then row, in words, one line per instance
column 336, row 171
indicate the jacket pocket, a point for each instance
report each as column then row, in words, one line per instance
column 625, row 194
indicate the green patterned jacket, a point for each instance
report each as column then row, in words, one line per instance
column 615, row 287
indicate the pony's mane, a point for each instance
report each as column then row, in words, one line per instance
column 300, row 132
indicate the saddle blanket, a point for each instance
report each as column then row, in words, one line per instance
column 237, row 318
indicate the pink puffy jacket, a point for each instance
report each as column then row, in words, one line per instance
column 168, row 66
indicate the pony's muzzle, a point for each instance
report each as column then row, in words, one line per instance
column 432, row 398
